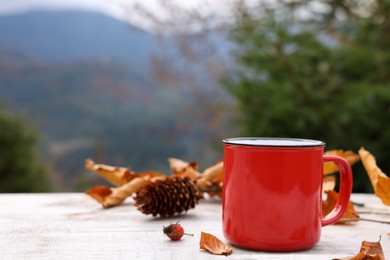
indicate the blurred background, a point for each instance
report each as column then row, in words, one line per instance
column 132, row 83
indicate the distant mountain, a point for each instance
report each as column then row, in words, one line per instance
column 76, row 35
column 103, row 110
column 82, row 80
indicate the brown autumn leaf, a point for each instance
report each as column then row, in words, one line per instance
column 99, row 193
column 328, row 183
column 109, row 197
column 368, row 251
column 178, row 165
column 184, row 169
column 213, row 245
column 211, row 180
column 214, row 173
column 114, row 175
column 330, row 202
column 330, row 167
column 380, row 182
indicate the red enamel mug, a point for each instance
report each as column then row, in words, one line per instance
column 272, row 192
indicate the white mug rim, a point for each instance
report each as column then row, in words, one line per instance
column 273, row 142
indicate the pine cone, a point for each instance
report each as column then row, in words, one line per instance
column 167, row 197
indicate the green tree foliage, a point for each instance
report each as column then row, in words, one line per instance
column 21, row 170
column 316, row 69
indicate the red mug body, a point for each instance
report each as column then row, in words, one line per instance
column 272, row 193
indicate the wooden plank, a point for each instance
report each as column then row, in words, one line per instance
column 74, row 226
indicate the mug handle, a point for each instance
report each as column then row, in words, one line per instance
column 345, row 189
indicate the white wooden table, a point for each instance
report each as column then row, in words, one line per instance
column 74, row 226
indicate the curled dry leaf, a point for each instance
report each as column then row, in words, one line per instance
column 109, row 197
column 368, row 250
column 330, row 202
column 328, row 183
column 99, row 193
column 184, row 169
column 212, row 180
column 214, row 173
column 380, row 182
column 330, row 167
column 114, row 175
column 178, row 165
column 213, row 245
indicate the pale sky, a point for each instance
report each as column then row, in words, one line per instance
column 115, row 8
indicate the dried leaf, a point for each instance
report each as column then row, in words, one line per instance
column 330, row 167
column 328, row 183
column 109, row 197
column 380, row 182
column 190, row 173
column 330, row 202
column 212, row 180
column 99, row 193
column 368, row 251
column 214, row 173
column 114, row 175
column 178, row 165
column 213, row 245
column 184, row 169
column 214, row 189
